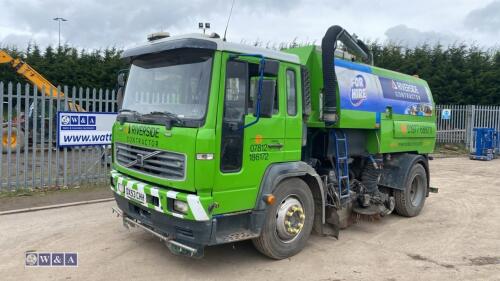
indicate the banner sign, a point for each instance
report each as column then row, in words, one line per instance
column 84, row 128
column 404, row 91
column 362, row 90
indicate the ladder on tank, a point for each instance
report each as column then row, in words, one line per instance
column 341, row 163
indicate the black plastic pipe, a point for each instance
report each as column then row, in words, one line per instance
column 328, row 46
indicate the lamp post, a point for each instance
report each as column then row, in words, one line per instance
column 59, row 20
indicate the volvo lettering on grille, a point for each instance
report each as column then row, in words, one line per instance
column 140, row 159
column 159, row 163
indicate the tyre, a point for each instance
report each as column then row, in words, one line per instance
column 410, row 201
column 16, row 140
column 288, row 222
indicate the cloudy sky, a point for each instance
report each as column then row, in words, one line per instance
column 121, row 23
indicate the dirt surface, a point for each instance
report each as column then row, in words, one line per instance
column 456, row 237
column 22, row 200
column 453, row 150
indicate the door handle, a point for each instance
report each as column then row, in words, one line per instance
column 275, row 145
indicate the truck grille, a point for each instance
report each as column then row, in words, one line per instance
column 158, row 163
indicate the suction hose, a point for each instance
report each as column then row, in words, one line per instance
column 328, row 45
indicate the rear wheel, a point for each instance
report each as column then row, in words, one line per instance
column 288, row 222
column 410, row 201
column 16, row 140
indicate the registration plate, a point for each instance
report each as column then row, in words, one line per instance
column 135, row 195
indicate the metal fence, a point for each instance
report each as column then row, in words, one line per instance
column 457, row 128
column 29, row 156
column 29, row 116
column 463, row 118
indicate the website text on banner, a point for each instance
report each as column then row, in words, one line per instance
column 84, row 128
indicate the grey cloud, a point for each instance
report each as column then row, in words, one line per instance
column 101, row 23
column 16, row 40
column 486, row 19
column 95, row 23
column 411, row 37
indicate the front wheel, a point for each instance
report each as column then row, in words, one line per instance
column 410, row 201
column 288, row 222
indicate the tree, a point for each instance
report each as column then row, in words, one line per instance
column 66, row 66
column 457, row 74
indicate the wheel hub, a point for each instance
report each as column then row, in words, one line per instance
column 416, row 191
column 290, row 219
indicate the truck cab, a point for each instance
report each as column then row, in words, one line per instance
column 218, row 142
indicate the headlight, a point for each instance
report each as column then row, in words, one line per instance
column 181, row 207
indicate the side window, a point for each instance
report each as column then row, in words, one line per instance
column 236, row 91
column 234, row 116
column 253, row 72
column 291, row 93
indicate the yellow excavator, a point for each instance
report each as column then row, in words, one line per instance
column 16, row 138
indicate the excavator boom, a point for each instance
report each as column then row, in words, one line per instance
column 29, row 73
column 4, row 57
column 35, row 78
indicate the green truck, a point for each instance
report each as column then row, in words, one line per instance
column 218, row 142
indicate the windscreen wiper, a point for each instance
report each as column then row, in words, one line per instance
column 125, row 114
column 133, row 112
column 169, row 115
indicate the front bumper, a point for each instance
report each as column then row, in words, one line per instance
column 161, row 199
column 174, row 246
column 194, row 229
column 193, row 233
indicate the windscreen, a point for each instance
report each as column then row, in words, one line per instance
column 174, row 82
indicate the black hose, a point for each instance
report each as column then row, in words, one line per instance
column 328, row 46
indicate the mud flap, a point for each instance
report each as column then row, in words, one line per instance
column 332, row 226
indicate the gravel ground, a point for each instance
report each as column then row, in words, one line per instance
column 456, row 237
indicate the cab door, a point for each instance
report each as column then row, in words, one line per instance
column 294, row 133
column 245, row 152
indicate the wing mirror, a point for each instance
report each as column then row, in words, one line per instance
column 266, row 106
column 121, row 79
column 263, row 87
